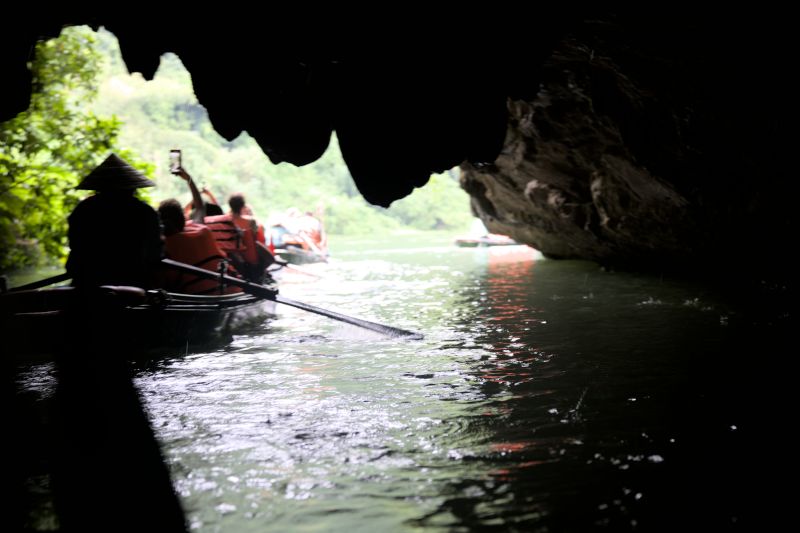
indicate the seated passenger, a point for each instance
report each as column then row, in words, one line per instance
column 312, row 228
column 192, row 244
column 261, row 235
column 306, row 231
column 254, row 257
column 212, row 208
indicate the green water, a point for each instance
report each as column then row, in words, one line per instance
column 545, row 396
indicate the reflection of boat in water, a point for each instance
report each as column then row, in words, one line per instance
column 490, row 239
column 158, row 320
column 504, row 255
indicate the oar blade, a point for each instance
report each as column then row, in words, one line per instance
column 390, row 331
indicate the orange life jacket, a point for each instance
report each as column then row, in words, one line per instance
column 194, row 245
column 260, row 236
column 225, row 233
column 248, row 229
column 234, row 236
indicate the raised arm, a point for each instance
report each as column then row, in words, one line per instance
column 210, row 196
column 199, row 211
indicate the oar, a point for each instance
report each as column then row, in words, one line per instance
column 266, row 292
column 42, row 283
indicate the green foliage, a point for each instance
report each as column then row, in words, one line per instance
column 80, row 79
column 441, row 204
column 46, row 150
column 164, row 113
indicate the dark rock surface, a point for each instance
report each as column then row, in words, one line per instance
column 399, row 89
column 635, row 138
column 649, row 144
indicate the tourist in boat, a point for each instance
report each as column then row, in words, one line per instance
column 114, row 238
column 197, row 209
column 312, row 227
column 193, row 244
column 237, row 233
column 212, row 207
column 241, row 213
column 305, row 230
column 256, row 257
column 260, row 233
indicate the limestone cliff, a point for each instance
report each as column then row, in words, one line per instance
column 646, row 145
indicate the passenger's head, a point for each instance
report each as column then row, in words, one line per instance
column 171, row 214
column 213, row 209
column 236, row 201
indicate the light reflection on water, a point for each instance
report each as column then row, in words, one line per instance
column 544, row 395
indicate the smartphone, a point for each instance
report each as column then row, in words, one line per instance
column 174, row 161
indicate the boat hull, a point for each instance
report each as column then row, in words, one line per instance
column 485, row 241
column 181, row 323
column 298, row 256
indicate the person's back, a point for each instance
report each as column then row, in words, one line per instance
column 255, row 257
column 192, row 244
column 248, row 230
column 115, row 239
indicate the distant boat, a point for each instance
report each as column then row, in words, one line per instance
column 299, row 239
column 490, row 239
column 297, row 255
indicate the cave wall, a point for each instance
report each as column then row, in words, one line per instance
column 646, row 138
column 656, row 143
column 394, row 87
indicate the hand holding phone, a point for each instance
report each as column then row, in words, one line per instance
column 174, row 161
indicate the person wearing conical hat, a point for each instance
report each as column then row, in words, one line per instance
column 114, row 238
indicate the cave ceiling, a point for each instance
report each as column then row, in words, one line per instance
column 407, row 93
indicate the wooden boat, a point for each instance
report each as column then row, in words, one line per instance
column 300, row 256
column 491, row 239
column 297, row 248
column 134, row 323
column 33, row 324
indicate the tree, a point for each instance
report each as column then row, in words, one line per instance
column 45, row 150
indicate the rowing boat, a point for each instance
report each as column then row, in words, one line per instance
column 486, row 240
column 299, row 256
column 298, row 247
column 33, row 322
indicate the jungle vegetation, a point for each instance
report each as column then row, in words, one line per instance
column 85, row 104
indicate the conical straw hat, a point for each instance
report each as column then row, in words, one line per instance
column 114, row 174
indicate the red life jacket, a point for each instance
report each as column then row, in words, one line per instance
column 260, row 236
column 225, row 233
column 234, row 236
column 195, row 246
